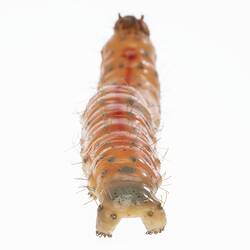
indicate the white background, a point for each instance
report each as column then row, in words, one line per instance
column 49, row 68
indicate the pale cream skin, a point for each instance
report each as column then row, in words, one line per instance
column 129, row 199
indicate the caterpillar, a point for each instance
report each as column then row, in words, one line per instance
column 119, row 125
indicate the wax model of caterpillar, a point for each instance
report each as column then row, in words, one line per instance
column 119, row 131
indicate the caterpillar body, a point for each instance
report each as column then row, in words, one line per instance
column 119, row 131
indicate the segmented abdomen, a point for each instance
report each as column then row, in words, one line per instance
column 131, row 61
column 124, row 114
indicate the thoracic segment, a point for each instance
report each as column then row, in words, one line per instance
column 118, row 136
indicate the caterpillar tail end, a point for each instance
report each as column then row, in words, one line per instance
column 155, row 220
column 130, row 201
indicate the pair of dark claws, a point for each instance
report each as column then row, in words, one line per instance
column 100, row 234
column 155, row 231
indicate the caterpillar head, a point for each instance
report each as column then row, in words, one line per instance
column 131, row 23
column 129, row 199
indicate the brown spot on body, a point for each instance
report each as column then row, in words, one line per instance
column 121, row 65
column 145, row 53
column 150, row 213
column 127, row 170
column 131, row 101
column 113, row 216
column 111, row 159
column 104, row 173
column 132, row 158
column 140, row 65
column 85, row 159
column 109, row 68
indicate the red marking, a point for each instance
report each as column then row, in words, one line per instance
column 130, row 54
column 117, row 113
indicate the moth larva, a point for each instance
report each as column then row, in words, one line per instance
column 119, row 131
